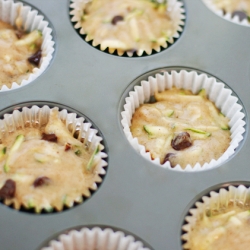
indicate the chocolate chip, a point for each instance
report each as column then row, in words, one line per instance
column 181, row 141
column 116, row 19
column 49, row 137
column 168, row 157
column 8, row 190
column 35, row 58
column 20, row 33
column 241, row 14
column 41, row 181
column 76, row 134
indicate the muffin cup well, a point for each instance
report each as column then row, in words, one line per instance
column 215, row 201
column 227, row 16
column 217, row 93
column 95, row 238
column 29, row 19
column 175, row 9
column 81, row 129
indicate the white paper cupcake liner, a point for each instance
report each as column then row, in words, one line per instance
column 222, row 199
column 38, row 116
column 226, row 16
column 177, row 14
column 95, row 238
column 31, row 20
column 217, row 93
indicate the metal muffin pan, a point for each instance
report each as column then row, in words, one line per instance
column 136, row 196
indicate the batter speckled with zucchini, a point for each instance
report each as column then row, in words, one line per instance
column 46, row 168
column 226, row 229
column 127, row 25
column 20, row 54
column 182, row 128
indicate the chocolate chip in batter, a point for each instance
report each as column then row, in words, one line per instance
column 49, row 137
column 168, row 158
column 181, row 141
column 41, row 181
column 116, row 19
column 35, row 58
column 20, row 33
column 241, row 14
column 76, row 134
column 8, row 190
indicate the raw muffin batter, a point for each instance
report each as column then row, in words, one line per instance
column 181, row 128
column 20, row 53
column 45, row 168
column 228, row 229
column 127, row 25
column 235, row 7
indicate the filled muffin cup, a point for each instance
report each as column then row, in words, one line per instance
column 27, row 19
column 78, row 135
column 95, row 238
column 219, row 204
column 174, row 9
column 216, row 92
column 238, row 15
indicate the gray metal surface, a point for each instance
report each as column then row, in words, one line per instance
column 136, row 195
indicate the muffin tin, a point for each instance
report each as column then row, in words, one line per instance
column 136, row 195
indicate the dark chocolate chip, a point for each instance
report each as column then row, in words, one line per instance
column 20, row 33
column 167, row 158
column 41, row 181
column 76, row 134
column 35, row 58
column 8, row 190
column 49, row 137
column 181, row 141
column 241, row 14
column 116, row 19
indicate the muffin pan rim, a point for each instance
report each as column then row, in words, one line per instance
column 92, row 226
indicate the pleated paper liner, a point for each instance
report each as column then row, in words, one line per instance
column 217, row 201
column 220, row 94
column 175, row 8
column 34, row 115
column 31, row 20
column 238, row 17
column 92, row 238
